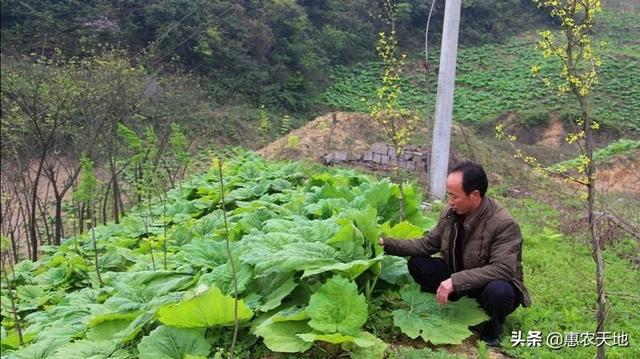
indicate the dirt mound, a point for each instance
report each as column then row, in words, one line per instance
column 337, row 131
column 554, row 135
column 620, row 174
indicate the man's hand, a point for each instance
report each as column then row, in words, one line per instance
column 445, row 288
column 381, row 241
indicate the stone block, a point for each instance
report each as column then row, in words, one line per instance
column 340, row 156
column 378, row 147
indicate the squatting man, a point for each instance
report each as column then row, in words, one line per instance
column 481, row 251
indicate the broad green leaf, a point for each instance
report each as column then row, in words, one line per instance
column 347, row 233
column 434, row 329
column 277, row 225
column 366, row 221
column 402, row 230
column 151, row 284
column 418, row 219
column 417, row 300
column 331, row 191
column 53, row 277
column 222, row 277
column 282, row 336
column 84, row 349
column 167, row 342
column 375, row 351
column 134, row 328
column 31, row 297
column 326, row 207
column 108, row 329
column 12, row 340
column 42, row 349
column 210, row 222
column 350, row 270
column 378, row 194
column 114, row 259
column 259, row 247
column 294, row 313
column 410, row 323
column 203, row 253
column 337, row 307
column 395, row 271
column 361, row 339
column 58, row 330
column 438, row 324
column 208, row 309
column 314, row 230
column 106, row 326
column 29, row 293
column 105, row 317
column 274, row 299
column 297, row 257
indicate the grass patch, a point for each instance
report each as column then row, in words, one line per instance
column 560, row 275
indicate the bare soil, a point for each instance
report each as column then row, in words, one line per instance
column 620, row 174
column 336, row 131
column 554, row 135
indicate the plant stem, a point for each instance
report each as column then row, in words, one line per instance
column 95, row 246
column 164, row 229
column 231, row 262
column 401, row 214
column 14, row 310
column 146, row 228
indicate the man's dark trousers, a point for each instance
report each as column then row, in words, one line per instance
column 498, row 297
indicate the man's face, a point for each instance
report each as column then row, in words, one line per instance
column 461, row 203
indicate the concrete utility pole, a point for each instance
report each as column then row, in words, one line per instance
column 444, row 101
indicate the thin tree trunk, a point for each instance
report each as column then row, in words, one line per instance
column 14, row 247
column 57, row 238
column 116, row 190
column 595, row 240
column 33, row 236
column 103, row 204
column 43, row 213
column 25, row 222
column 10, row 223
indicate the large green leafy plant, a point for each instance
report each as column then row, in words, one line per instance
column 304, row 247
column 438, row 324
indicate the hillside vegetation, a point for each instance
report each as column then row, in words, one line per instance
column 273, row 53
column 494, row 78
column 131, row 229
column 297, row 235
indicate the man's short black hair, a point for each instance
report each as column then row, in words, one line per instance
column 473, row 177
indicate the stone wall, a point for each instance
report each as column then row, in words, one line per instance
column 413, row 158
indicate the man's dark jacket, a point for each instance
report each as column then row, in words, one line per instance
column 492, row 248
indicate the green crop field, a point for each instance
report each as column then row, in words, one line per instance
column 495, row 78
column 311, row 279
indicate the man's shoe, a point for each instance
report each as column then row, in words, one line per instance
column 492, row 343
